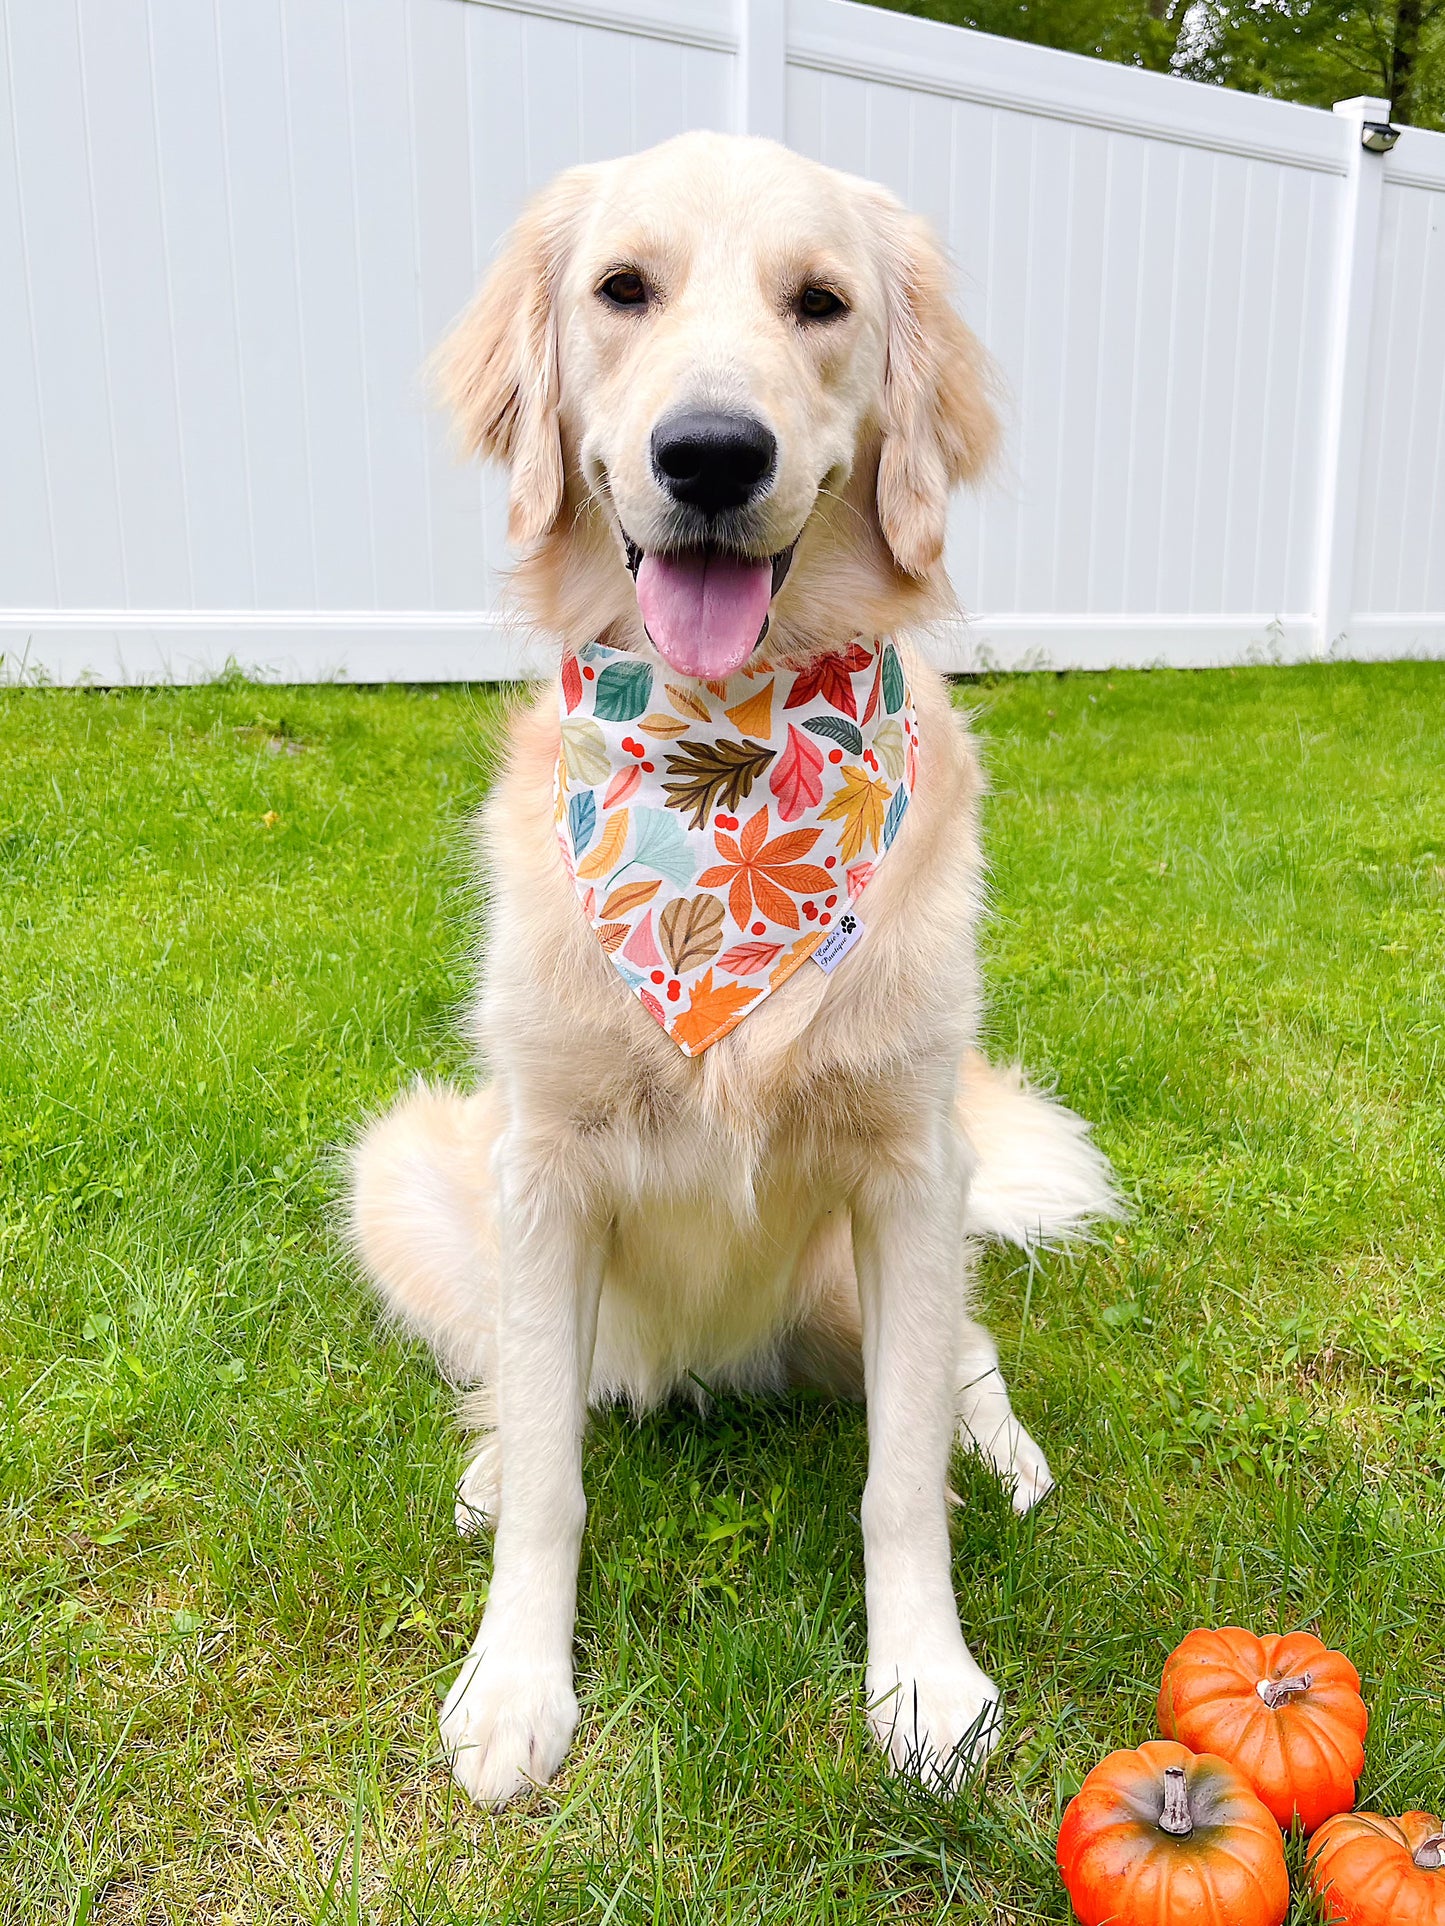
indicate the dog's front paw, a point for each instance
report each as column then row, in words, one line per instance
column 934, row 1720
column 506, row 1726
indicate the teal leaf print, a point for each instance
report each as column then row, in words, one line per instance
column 660, row 844
column 892, row 680
column 582, row 820
column 839, row 730
column 623, row 690
column 896, row 811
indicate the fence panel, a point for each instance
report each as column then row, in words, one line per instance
column 232, row 233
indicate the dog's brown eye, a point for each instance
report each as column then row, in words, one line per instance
column 624, row 289
column 819, row 304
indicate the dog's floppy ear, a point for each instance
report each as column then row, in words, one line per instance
column 939, row 425
column 498, row 369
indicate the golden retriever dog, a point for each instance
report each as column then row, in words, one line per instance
column 733, row 399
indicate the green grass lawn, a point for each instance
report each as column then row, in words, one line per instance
column 235, row 919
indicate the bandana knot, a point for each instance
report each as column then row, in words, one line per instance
column 717, row 833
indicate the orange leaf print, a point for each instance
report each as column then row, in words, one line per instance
column 608, row 849
column 754, row 717
column 668, row 727
column 711, row 1012
column 688, row 704
column 609, row 935
column 755, row 870
column 861, row 805
column 796, row 780
column 628, row 897
column 744, row 959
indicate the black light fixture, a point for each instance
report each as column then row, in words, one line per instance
column 1378, row 135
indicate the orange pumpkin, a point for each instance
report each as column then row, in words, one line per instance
column 1286, row 1711
column 1380, row 1872
column 1165, row 1834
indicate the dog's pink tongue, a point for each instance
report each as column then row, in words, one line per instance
column 704, row 612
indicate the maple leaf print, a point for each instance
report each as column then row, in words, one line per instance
column 860, row 805
column 691, row 928
column 796, row 781
column 714, row 775
column 769, row 874
column 831, row 677
column 711, row 1012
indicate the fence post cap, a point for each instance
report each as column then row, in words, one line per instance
column 1363, row 107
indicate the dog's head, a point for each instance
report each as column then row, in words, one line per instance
column 729, row 387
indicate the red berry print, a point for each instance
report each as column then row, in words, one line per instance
column 648, row 767
column 835, row 755
column 810, row 910
column 760, row 929
column 830, row 902
column 659, row 976
column 591, row 674
column 830, row 862
column 824, row 921
column 674, row 990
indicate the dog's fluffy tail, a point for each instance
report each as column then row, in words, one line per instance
column 1039, row 1180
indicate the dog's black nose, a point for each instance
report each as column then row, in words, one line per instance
column 711, row 460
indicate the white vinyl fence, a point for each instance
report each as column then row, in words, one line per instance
column 230, row 231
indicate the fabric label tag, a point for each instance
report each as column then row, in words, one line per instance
column 836, row 944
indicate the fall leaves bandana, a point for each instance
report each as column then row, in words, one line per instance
column 716, row 833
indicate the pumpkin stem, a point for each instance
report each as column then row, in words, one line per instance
column 1430, row 1856
column 1277, row 1692
column 1176, row 1819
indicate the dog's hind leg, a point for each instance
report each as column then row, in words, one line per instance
column 987, row 1425
column 825, row 1352
column 422, row 1216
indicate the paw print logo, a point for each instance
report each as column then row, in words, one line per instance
column 847, row 924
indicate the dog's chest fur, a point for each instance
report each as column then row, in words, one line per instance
column 714, row 1179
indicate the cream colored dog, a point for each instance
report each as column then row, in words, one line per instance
column 609, row 1218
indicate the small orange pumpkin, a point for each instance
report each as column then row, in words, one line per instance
column 1168, row 1834
column 1286, row 1711
column 1380, row 1872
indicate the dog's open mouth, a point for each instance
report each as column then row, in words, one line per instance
column 705, row 608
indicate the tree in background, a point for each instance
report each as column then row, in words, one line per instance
column 1314, row 51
